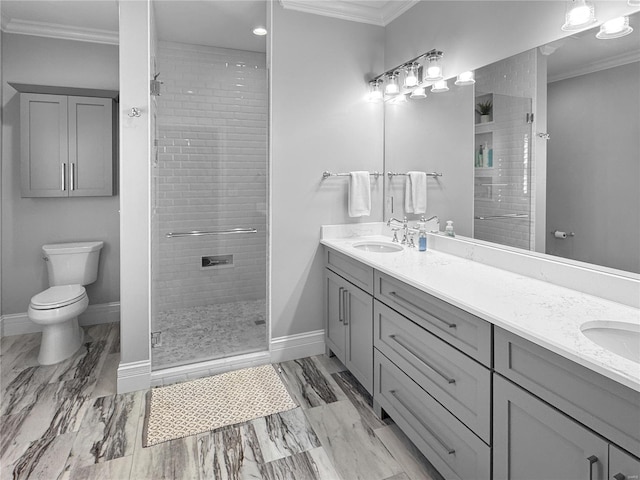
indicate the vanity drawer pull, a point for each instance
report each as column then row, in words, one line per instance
column 402, row 299
column 592, row 459
column 340, row 302
column 412, row 352
column 346, row 304
column 450, row 451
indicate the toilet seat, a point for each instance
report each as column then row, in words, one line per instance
column 58, row 297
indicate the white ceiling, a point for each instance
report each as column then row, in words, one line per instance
column 222, row 23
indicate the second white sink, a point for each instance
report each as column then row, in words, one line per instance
column 378, row 247
column 620, row 338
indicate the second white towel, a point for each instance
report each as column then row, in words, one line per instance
column 359, row 194
column 415, row 195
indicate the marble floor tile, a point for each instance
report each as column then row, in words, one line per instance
column 25, row 388
column 400, row 476
column 17, row 353
column 230, row 453
column 173, row 460
column 309, row 383
column 415, row 465
column 118, row 469
column 354, row 451
column 331, row 364
column 107, row 380
column 284, row 434
column 43, row 459
column 310, row 465
column 359, row 397
column 108, row 431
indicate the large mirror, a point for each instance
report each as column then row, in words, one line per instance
column 553, row 168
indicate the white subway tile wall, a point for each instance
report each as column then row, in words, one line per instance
column 210, row 174
column 513, row 86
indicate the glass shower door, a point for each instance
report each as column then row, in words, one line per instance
column 210, row 205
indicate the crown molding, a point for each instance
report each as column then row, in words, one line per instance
column 593, row 67
column 54, row 30
column 362, row 12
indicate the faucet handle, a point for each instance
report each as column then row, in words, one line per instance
column 395, row 234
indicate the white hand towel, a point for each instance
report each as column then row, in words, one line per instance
column 359, row 194
column 415, row 195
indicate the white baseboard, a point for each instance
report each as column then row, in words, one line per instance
column 297, row 346
column 182, row 373
column 19, row 323
column 134, row 376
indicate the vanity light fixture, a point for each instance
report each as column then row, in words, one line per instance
column 375, row 91
column 388, row 86
column 440, row 86
column 260, row 31
column 418, row 92
column 579, row 14
column 411, row 75
column 466, row 78
column 392, row 88
column 615, row 28
column 433, row 66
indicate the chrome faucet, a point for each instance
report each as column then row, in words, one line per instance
column 431, row 218
column 405, row 229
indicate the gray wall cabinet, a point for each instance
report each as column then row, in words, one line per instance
column 349, row 324
column 67, row 145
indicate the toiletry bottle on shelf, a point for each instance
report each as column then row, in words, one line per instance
column 490, row 157
column 448, row 230
column 422, row 237
column 480, row 157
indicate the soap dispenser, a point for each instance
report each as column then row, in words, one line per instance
column 448, row 230
column 422, row 236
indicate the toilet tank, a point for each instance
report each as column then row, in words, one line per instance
column 72, row 263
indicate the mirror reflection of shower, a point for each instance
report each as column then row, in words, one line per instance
column 210, row 210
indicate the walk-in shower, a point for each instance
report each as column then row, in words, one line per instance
column 210, row 204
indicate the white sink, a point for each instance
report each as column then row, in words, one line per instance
column 618, row 337
column 378, row 247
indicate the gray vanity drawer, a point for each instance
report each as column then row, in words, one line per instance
column 602, row 404
column 460, row 384
column 465, row 331
column 455, row 451
column 352, row 270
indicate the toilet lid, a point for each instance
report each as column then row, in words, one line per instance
column 56, row 297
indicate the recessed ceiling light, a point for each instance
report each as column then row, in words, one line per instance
column 260, row 31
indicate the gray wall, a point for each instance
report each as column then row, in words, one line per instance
column 320, row 121
column 29, row 223
column 593, row 184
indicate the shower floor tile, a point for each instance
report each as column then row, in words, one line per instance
column 209, row 332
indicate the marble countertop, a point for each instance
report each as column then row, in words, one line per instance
column 544, row 313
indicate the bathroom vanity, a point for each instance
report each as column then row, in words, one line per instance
column 485, row 370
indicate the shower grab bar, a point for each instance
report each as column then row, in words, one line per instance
column 198, row 233
column 506, row 215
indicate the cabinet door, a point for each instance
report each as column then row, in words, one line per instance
column 43, row 145
column 622, row 466
column 533, row 440
column 359, row 321
column 90, row 146
column 334, row 314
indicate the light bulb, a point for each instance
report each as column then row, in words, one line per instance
column 375, row 93
column 418, row 92
column 616, row 28
column 392, row 87
column 579, row 14
column 434, row 68
column 465, row 78
column 260, row 31
column 411, row 76
column 440, row 86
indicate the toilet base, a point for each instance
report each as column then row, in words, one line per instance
column 60, row 341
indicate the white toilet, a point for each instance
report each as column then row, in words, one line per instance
column 70, row 266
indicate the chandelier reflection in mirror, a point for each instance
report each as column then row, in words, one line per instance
column 412, row 78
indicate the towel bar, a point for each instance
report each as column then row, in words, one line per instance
column 198, row 233
column 395, row 174
column 328, row 174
